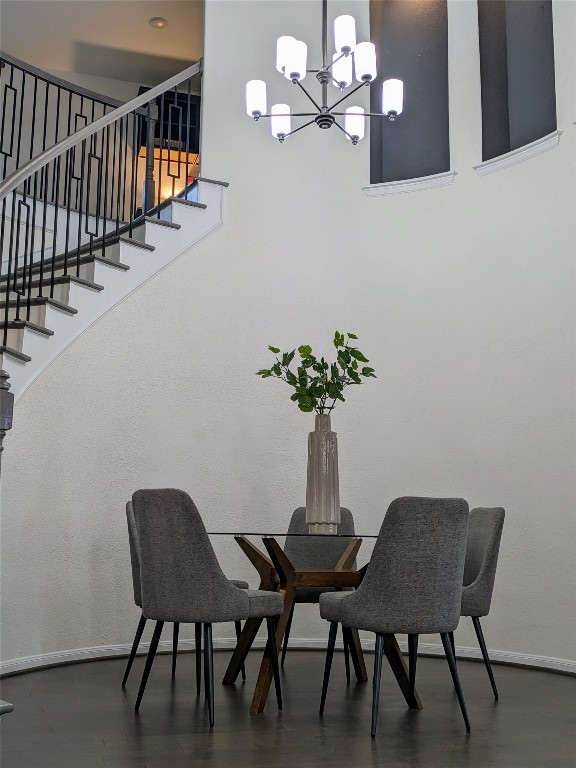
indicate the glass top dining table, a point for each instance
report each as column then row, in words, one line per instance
column 278, row 573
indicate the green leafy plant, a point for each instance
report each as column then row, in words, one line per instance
column 317, row 384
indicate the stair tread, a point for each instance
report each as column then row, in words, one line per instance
column 28, row 324
column 191, row 203
column 61, row 279
column 162, row 223
column 37, row 300
column 137, row 244
column 213, row 181
column 15, row 353
column 110, row 263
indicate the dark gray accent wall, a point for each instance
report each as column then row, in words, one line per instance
column 516, row 41
column 411, row 38
column 531, row 83
column 494, row 78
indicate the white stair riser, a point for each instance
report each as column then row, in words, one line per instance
column 169, row 243
column 14, row 339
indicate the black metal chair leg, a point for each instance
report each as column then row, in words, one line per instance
column 135, row 644
column 346, row 656
column 378, row 653
column 198, row 653
column 455, row 679
column 209, row 671
column 238, row 628
column 480, row 636
column 452, row 643
column 149, row 660
column 328, row 662
column 286, row 636
column 175, row 647
column 273, row 651
column 412, row 658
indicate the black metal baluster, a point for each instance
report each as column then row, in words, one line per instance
column 44, row 212
column 133, row 180
column 56, row 176
column 82, row 180
column 119, row 174
column 106, row 155
column 161, row 140
column 187, row 136
column 32, row 237
column 19, row 142
column 124, row 169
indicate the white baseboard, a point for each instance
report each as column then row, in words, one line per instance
column 15, row 666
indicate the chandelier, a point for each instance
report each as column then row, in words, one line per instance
column 349, row 57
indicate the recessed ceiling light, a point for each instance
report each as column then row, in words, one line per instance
column 158, row 22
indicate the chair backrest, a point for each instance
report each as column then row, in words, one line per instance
column 414, row 581
column 134, row 554
column 317, row 551
column 180, row 575
column 484, row 535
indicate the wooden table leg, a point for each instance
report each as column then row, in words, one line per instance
column 247, row 636
column 268, row 582
column 265, row 675
column 398, row 665
column 355, row 647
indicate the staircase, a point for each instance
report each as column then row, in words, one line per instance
column 77, row 234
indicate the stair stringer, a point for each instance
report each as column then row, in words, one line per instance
column 168, row 243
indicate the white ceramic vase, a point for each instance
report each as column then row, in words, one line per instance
column 322, row 485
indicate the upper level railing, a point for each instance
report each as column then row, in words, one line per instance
column 80, row 195
column 38, row 110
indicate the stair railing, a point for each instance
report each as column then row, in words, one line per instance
column 106, row 178
column 39, row 109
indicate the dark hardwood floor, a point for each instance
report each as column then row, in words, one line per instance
column 77, row 716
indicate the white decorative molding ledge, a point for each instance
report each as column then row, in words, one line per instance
column 410, row 185
column 519, row 155
column 15, row 666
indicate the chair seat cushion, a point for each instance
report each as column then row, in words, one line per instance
column 333, row 606
column 239, row 583
column 263, row 603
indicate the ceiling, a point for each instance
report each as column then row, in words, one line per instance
column 105, row 38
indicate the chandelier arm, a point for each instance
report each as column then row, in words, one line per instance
column 289, row 114
column 337, row 124
column 338, row 59
column 366, row 82
column 299, row 128
column 307, row 94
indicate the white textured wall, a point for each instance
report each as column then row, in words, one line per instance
column 462, row 297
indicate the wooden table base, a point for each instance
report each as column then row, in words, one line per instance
column 278, row 573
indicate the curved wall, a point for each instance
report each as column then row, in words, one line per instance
column 462, row 297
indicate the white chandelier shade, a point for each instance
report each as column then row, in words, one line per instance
column 354, row 123
column 344, row 34
column 392, row 97
column 365, row 62
column 280, row 122
column 283, row 45
column 341, row 70
column 296, row 59
column 256, row 98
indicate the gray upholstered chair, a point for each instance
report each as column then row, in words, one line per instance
column 181, row 580
column 413, row 585
column 135, row 563
column 319, row 552
column 484, row 534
